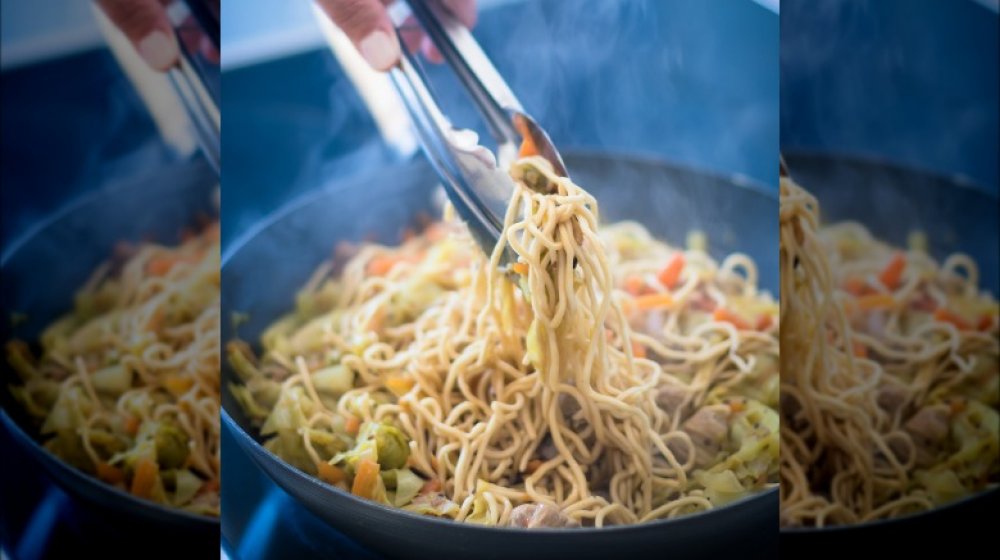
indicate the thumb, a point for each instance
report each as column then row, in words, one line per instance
column 145, row 24
column 368, row 26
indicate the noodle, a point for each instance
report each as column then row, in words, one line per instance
column 889, row 380
column 127, row 385
column 587, row 385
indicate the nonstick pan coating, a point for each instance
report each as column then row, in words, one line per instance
column 267, row 266
column 956, row 215
column 41, row 273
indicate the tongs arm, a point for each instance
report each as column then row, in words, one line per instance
column 508, row 123
column 478, row 189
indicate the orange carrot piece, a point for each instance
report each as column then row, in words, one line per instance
column 381, row 265
column 533, row 466
column 399, row 384
column 638, row 350
column 177, row 385
column 520, row 268
column 671, row 273
column 432, row 485
column 859, row 349
column 654, row 301
column 211, row 485
column 528, row 147
column 146, row 471
column 131, row 425
column 764, row 322
column 946, row 316
column 352, row 425
column 635, row 285
column 856, row 286
column 365, row 479
column 330, row 473
column 724, row 315
column 893, row 272
column 985, row 322
column 737, row 406
column 110, row 473
column 957, row 406
column 876, row 301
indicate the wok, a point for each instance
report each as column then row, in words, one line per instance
column 41, row 273
column 956, row 215
column 264, row 269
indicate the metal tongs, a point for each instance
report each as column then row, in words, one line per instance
column 188, row 80
column 476, row 181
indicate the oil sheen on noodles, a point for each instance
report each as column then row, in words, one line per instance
column 127, row 385
column 889, row 380
column 606, row 378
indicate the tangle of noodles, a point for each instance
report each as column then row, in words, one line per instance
column 889, row 376
column 127, row 385
column 615, row 380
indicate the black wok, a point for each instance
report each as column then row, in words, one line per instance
column 956, row 216
column 41, row 273
column 269, row 264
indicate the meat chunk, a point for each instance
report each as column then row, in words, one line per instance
column 891, row 398
column 670, row 399
column 533, row 516
column 929, row 430
column 707, row 429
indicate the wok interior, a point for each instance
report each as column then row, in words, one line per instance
column 262, row 275
column 43, row 274
column 893, row 201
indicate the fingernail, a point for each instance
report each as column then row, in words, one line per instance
column 159, row 50
column 380, row 50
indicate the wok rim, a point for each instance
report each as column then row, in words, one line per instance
column 58, row 471
column 258, row 452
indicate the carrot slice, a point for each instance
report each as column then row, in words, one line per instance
column 957, row 406
column 330, row 473
column 352, row 425
column 764, row 322
column 365, row 479
column 985, row 322
column 638, row 350
column 635, row 285
column 654, row 301
column 520, row 268
column 131, row 425
column 876, row 301
column 859, row 349
column 146, row 471
column 946, row 316
column 177, row 384
column 724, row 315
column 671, row 273
column 381, row 265
column 528, row 147
column 893, row 272
column 110, row 473
column 432, row 485
column 399, row 385
column 856, row 286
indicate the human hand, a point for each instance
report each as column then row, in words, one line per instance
column 367, row 24
column 146, row 25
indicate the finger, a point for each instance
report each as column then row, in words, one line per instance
column 368, row 26
column 464, row 11
column 145, row 24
